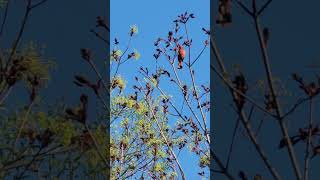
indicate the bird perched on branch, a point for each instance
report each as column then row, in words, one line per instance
column 181, row 55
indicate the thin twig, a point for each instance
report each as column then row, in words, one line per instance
column 197, row 58
column 5, row 96
column 119, row 61
column 221, row 166
column 100, row 37
column 264, row 7
column 206, row 133
column 228, row 83
column 19, row 36
column 22, row 124
column 244, row 7
column 243, row 116
column 100, row 77
column 4, row 18
column 308, row 144
column 97, row 146
column 166, row 141
column 282, row 125
column 232, row 142
column 38, row 4
column 185, row 98
column 30, row 163
column 295, row 106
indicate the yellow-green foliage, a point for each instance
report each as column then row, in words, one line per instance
column 101, row 136
column 204, row 161
column 92, row 158
column 115, row 55
column 119, row 102
column 31, row 58
column 118, row 82
column 136, row 54
column 141, row 108
column 64, row 129
column 42, row 119
column 159, row 167
column 34, row 61
column 134, row 29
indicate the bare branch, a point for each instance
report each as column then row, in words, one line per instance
column 264, row 7
column 283, row 127
column 38, row 4
column 244, row 119
column 244, row 7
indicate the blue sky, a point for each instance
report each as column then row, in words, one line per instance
column 65, row 28
column 154, row 19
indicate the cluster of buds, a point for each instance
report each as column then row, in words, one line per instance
column 206, row 89
column 133, row 30
column 165, row 105
column 135, row 54
column 302, row 135
column 83, row 82
column 205, row 104
column 79, row 114
column 101, row 23
column 224, row 12
column 118, row 82
column 173, row 40
column 184, row 18
column 148, row 89
column 35, row 84
column 84, row 140
column 86, row 54
column 207, row 32
column 44, row 138
column 185, row 90
column 241, row 86
column 116, row 55
column 311, row 89
column 15, row 71
column 270, row 102
column 182, row 143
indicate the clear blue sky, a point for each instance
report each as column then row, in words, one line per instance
column 154, row 19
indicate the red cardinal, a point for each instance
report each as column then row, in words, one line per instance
column 181, row 55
